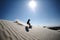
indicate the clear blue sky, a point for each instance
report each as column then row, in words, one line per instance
column 47, row 11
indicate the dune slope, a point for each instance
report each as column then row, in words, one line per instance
column 12, row 31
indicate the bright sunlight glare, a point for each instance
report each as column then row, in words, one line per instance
column 32, row 4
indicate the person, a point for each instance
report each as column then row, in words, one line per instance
column 30, row 27
column 28, row 22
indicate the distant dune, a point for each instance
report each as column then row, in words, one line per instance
column 10, row 30
column 54, row 28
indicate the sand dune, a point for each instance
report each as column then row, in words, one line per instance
column 12, row 31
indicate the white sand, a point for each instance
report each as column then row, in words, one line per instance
column 12, row 31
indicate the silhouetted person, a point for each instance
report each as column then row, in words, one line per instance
column 27, row 28
column 28, row 22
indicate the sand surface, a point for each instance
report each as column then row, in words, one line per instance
column 12, row 31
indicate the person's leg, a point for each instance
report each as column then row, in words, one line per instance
column 30, row 25
column 27, row 29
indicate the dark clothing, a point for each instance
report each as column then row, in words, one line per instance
column 28, row 22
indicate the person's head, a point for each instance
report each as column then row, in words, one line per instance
column 29, row 19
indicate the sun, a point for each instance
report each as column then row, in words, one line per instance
column 32, row 4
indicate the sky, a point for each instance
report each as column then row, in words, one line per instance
column 47, row 12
